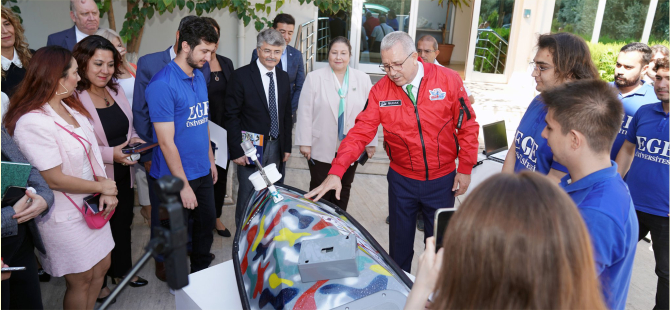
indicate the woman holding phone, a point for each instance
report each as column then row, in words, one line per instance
column 53, row 130
column 112, row 117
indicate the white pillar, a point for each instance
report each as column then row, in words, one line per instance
column 650, row 19
column 599, row 21
column 240, row 44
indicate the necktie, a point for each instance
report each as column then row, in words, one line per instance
column 409, row 93
column 272, row 104
column 340, row 115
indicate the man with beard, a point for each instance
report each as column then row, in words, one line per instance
column 646, row 153
column 631, row 64
column 147, row 66
column 258, row 102
column 179, row 108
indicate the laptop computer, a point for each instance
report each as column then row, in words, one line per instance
column 495, row 141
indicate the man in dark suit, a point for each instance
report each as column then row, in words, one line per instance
column 86, row 18
column 147, row 66
column 258, row 101
column 291, row 59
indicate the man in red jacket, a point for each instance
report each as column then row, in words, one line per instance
column 427, row 118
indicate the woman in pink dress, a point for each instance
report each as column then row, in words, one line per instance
column 54, row 132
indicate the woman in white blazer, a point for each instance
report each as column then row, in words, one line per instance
column 331, row 99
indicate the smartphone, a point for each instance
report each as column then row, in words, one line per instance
column 137, row 148
column 6, row 269
column 93, row 203
column 442, row 217
column 12, row 195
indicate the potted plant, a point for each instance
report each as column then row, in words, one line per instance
column 444, row 57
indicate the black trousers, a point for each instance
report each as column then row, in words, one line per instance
column 204, row 221
column 658, row 226
column 220, row 190
column 22, row 289
column 319, row 171
column 121, row 222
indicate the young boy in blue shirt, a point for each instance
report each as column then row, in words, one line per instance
column 646, row 147
column 631, row 64
column 582, row 122
column 179, row 108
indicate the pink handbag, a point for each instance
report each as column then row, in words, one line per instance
column 93, row 220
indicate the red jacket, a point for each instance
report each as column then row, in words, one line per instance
column 422, row 142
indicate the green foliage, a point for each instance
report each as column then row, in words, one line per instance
column 604, row 56
column 11, row 4
column 244, row 9
column 493, row 18
column 487, row 51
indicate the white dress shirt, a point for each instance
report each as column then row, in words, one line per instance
column 266, row 84
column 415, row 83
column 173, row 55
column 284, row 60
column 6, row 63
column 79, row 35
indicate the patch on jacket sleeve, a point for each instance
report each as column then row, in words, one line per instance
column 390, row 103
column 437, row 94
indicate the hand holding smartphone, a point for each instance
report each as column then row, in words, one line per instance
column 138, row 148
column 442, row 218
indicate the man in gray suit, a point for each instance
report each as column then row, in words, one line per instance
column 86, row 18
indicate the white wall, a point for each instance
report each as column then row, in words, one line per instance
column 461, row 34
column 43, row 17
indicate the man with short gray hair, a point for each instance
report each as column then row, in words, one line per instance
column 427, row 118
column 258, row 105
column 86, row 18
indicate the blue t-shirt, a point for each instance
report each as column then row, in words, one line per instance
column 607, row 209
column 649, row 175
column 173, row 96
column 532, row 151
column 632, row 102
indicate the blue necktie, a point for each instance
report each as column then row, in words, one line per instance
column 272, row 104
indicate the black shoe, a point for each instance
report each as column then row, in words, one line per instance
column 224, row 233
column 387, row 220
column 43, row 275
column 140, row 282
column 101, row 300
column 419, row 224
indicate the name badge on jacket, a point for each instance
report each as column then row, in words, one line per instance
column 390, row 103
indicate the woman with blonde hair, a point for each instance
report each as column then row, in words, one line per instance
column 15, row 52
column 517, row 242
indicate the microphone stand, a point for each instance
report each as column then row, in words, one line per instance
column 169, row 242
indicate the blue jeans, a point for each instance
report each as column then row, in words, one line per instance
column 407, row 197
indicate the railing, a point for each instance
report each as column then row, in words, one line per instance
column 312, row 44
column 485, row 48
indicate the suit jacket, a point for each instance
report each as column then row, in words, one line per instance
column 296, row 73
column 216, row 100
column 246, row 109
column 12, row 152
column 147, row 66
column 319, row 109
column 107, row 151
column 66, row 38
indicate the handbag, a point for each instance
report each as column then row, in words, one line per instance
column 94, row 220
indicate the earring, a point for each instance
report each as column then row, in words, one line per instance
column 66, row 91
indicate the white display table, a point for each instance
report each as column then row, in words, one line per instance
column 211, row 288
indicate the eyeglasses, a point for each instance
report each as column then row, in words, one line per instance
column 539, row 67
column 425, row 51
column 387, row 68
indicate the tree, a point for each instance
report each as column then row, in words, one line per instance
column 139, row 11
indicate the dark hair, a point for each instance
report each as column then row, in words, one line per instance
column 213, row 23
column 196, row 31
column 84, row 51
column 339, row 39
column 658, row 48
column 662, row 63
column 590, row 107
column 517, row 242
column 185, row 20
column 48, row 65
column 570, row 54
column 642, row 48
column 392, row 14
column 283, row 18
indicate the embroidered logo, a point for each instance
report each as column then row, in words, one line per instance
column 437, row 94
